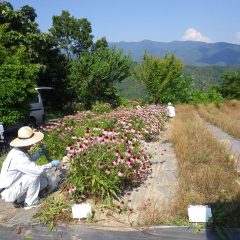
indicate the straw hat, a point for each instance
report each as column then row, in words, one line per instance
column 26, row 137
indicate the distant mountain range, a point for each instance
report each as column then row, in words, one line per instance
column 190, row 52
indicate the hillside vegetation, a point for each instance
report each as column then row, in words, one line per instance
column 206, row 76
column 203, row 78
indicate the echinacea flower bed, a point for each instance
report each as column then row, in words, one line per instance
column 105, row 152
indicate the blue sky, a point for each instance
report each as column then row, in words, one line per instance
column 156, row 20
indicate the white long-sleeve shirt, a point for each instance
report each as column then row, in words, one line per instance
column 16, row 164
column 171, row 111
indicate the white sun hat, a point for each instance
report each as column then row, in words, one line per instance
column 169, row 104
column 26, row 137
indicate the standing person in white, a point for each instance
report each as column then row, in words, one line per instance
column 21, row 178
column 171, row 110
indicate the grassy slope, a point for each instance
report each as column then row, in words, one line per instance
column 206, row 173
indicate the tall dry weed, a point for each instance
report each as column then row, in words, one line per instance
column 206, row 172
column 151, row 213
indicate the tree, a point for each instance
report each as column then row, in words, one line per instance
column 18, row 28
column 180, row 90
column 17, row 83
column 94, row 75
column 230, row 88
column 101, row 43
column 163, row 78
column 29, row 12
column 21, row 21
column 73, row 35
column 206, row 96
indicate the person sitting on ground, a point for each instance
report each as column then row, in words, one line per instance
column 21, row 179
column 171, row 110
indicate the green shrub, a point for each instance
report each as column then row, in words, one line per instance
column 100, row 107
column 77, row 106
column 127, row 103
column 17, row 83
column 212, row 95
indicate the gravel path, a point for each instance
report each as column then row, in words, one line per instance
column 158, row 190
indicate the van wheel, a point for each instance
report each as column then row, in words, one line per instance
column 32, row 123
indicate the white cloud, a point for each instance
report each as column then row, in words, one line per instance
column 237, row 35
column 192, row 34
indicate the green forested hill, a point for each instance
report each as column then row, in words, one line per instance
column 208, row 75
column 131, row 89
column 203, row 78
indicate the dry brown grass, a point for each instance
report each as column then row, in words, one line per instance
column 206, row 172
column 226, row 116
column 231, row 107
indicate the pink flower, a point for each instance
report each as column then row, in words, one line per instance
column 70, row 149
column 105, row 131
column 107, row 171
column 114, row 163
column 106, row 138
column 116, row 153
column 63, row 167
column 81, row 147
column 87, row 132
column 121, row 159
column 91, row 140
column 128, row 153
column 96, row 128
column 100, row 165
column 129, row 164
column 133, row 159
column 120, row 174
column 78, row 150
column 73, row 189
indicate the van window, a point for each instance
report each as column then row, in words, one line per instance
column 35, row 98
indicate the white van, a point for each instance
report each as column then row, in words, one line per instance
column 36, row 115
